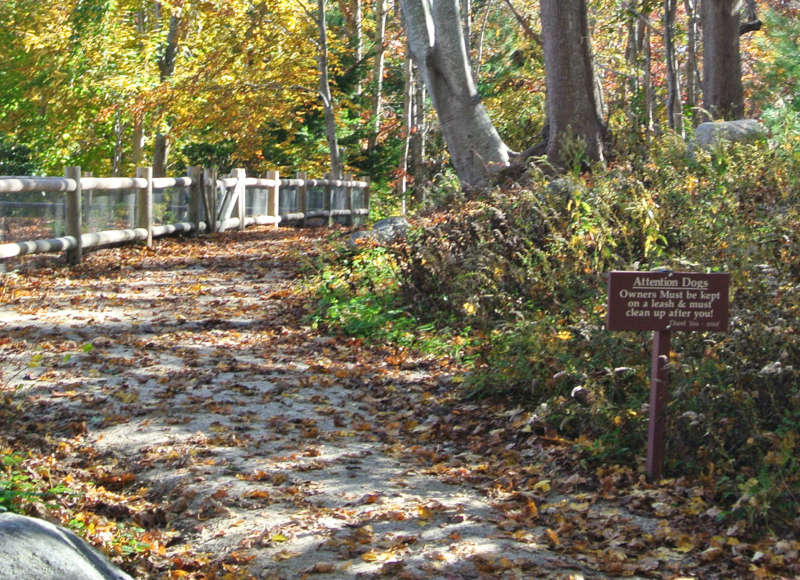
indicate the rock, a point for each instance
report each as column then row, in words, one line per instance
column 709, row 135
column 391, row 228
column 383, row 231
column 32, row 548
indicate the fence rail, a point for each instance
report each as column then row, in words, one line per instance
column 200, row 202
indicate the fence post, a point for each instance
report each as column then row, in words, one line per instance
column 239, row 192
column 327, row 199
column 74, row 215
column 145, row 209
column 196, row 197
column 210, row 197
column 348, row 199
column 273, row 196
column 302, row 195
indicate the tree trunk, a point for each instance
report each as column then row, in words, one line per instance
column 523, row 22
column 137, row 150
column 690, row 7
column 476, row 66
column 119, row 130
column 674, row 103
column 408, row 95
column 466, row 22
column 572, row 104
column 749, row 21
column 377, row 72
column 418, row 133
column 166, row 68
column 359, row 40
column 325, row 92
column 437, row 44
column 723, row 95
column 649, row 92
column 160, row 154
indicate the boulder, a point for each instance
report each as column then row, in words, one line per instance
column 383, row 231
column 33, row 548
column 709, row 135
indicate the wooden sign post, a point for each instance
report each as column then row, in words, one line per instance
column 664, row 301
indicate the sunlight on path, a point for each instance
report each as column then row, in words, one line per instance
column 258, row 445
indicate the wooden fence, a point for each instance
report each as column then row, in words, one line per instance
column 207, row 202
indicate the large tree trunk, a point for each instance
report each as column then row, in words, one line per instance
column 572, row 104
column 437, row 44
column 325, row 91
column 723, row 96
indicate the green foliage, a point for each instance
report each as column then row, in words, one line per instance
column 17, row 485
column 358, row 294
column 526, row 267
column 15, row 159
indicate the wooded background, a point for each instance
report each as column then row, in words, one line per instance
column 296, row 85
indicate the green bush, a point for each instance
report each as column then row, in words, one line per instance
column 527, row 267
column 522, row 271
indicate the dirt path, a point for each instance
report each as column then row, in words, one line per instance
column 181, row 392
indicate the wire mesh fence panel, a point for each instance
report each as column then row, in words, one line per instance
column 315, row 198
column 257, row 199
column 170, row 205
column 287, row 200
column 108, row 210
column 360, row 198
column 32, row 216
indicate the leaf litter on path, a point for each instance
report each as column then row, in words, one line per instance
column 210, row 433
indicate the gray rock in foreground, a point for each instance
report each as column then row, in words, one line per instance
column 36, row 549
column 383, row 231
column 708, row 135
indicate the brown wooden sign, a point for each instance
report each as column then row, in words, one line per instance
column 668, row 301
column 665, row 301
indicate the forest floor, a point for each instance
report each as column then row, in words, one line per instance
column 205, row 430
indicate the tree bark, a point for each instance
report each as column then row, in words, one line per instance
column 723, row 95
column 325, row 91
column 438, row 46
column 572, row 104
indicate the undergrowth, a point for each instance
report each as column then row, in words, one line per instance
column 518, row 277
